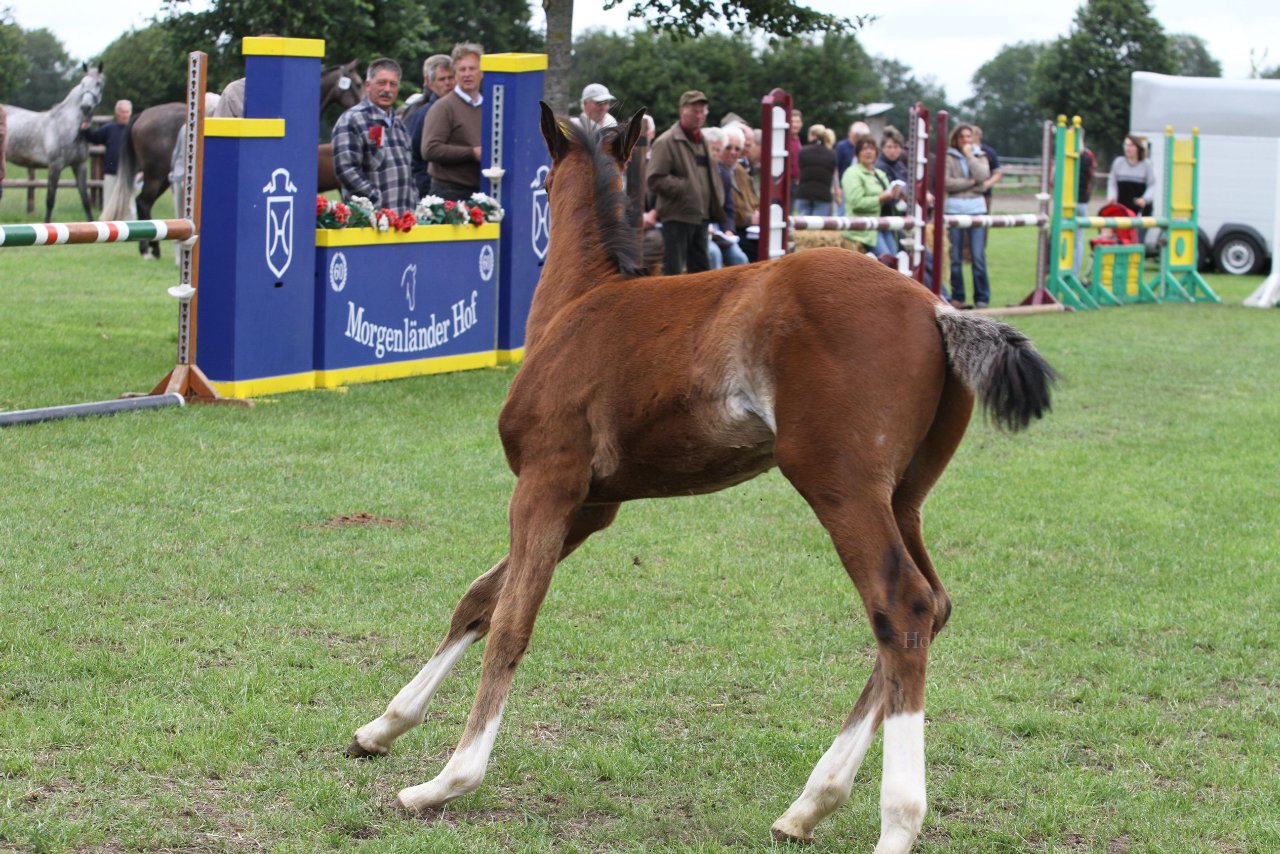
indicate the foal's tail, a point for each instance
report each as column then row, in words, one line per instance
column 999, row 365
column 118, row 205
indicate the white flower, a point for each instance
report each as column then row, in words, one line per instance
column 362, row 203
column 481, row 199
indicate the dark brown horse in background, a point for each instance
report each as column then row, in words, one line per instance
column 153, row 134
column 854, row 381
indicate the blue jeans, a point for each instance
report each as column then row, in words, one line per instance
column 811, row 207
column 978, row 252
column 886, row 244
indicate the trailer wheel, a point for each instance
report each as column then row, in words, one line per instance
column 1238, row 254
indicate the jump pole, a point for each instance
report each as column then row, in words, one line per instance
column 1179, row 276
column 775, row 182
column 80, row 410
column 186, row 378
column 1040, row 295
column 941, row 131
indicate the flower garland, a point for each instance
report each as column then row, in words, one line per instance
column 431, row 210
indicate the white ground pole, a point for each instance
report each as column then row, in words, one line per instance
column 1268, row 293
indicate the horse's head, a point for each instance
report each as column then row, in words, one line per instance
column 88, row 91
column 588, row 200
column 564, row 137
column 350, row 85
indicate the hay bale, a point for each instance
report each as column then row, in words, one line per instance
column 816, row 239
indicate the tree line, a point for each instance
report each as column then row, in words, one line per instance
column 829, row 74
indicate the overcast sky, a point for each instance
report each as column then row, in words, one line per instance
column 943, row 40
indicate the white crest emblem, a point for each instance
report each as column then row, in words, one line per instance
column 338, row 272
column 279, row 221
column 486, row 262
column 409, row 281
column 541, row 214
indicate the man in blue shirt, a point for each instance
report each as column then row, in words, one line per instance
column 111, row 137
column 437, row 81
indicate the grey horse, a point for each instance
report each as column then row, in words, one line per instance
column 52, row 139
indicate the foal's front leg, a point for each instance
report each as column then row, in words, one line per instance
column 470, row 623
column 542, row 511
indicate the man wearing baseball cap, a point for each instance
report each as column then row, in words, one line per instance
column 687, row 188
column 596, row 101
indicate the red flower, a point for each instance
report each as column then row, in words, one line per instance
column 375, row 134
column 341, row 212
column 322, row 205
column 477, row 216
column 448, row 206
column 408, row 221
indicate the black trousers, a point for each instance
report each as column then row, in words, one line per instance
column 452, row 192
column 684, row 246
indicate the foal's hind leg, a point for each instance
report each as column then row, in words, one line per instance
column 927, row 465
column 470, row 622
column 850, row 497
column 543, row 510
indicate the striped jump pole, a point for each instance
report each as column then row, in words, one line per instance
column 907, row 223
column 852, row 223
column 58, row 233
column 962, row 221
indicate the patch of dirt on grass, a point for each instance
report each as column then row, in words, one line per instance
column 1119, row 845
column 548, row 733
column 359, row 520
column 41, row 792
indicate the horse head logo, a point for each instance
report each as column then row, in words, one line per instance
column 279, row 243
column 541, row 213
column 409, row 281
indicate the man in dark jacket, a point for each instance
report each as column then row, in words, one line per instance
column 437, row 81
column 687, row 188
column 111, row 137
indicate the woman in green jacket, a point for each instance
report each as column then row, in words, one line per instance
column 866, row 188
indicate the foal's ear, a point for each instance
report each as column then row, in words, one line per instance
column 553, row 133
column 635, row 127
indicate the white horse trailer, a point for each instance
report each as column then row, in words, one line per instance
column 1239, row 123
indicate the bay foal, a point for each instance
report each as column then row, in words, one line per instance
column 857, row 383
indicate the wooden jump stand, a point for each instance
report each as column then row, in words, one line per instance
column 186, row 378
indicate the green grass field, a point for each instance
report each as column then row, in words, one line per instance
column 200, row 605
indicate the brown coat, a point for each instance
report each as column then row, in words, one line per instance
column 449, row 133
column 684, row 180
column 746, row 200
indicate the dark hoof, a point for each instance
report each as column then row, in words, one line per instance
column 356, row 751
column 788, row 839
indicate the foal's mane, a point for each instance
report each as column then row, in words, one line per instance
column 612, row 207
